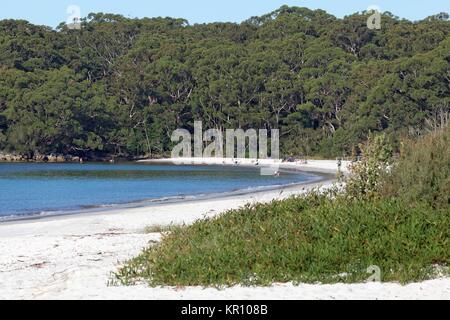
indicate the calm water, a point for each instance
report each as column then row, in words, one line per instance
column 29, row 189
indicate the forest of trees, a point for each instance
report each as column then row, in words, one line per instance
column 120, row 86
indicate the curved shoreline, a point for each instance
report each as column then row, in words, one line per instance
column 313, row 178
column 72, row 257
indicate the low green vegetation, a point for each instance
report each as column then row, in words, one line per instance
column 307, row 239
column 400, row 224
column 159, row 229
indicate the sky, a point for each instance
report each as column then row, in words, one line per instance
column 53, row 12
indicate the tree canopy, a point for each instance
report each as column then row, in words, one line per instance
column 120, row 86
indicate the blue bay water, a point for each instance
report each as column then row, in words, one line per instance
column 29, row 189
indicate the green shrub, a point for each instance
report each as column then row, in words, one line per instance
column 366, row 176
column 422, row 173
column 305, row 239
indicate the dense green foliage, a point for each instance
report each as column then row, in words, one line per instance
column 367, row 174
column 422, row 171
column 305, row 239
column 336, row 237
column 121, row 86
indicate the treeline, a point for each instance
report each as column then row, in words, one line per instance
column 120, row 86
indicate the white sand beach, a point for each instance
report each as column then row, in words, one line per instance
column 72, row 257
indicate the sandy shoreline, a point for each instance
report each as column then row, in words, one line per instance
column 316, row 180
column 71, row 257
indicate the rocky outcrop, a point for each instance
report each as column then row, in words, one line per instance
column 53, row 158
column 12, row 158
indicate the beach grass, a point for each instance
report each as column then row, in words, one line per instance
column 158, row 229
column 422, row 171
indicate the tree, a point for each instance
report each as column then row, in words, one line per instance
column 120, row 86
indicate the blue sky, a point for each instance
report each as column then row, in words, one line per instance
column 52, row 12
